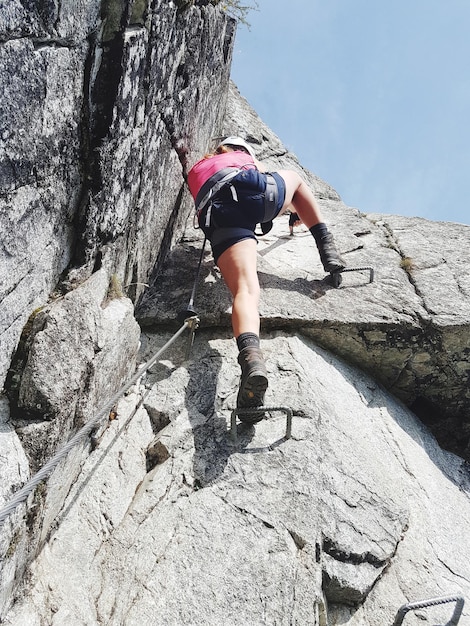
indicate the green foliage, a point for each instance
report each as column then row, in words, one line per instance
column 13, row 380
column 115, row 289
column 407, row 264
column 237, row 9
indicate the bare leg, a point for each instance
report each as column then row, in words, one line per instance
column 238, row 267
column 300, row 196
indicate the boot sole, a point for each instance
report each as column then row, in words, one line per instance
column 251, row 395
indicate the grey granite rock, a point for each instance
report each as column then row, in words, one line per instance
column 39, row 177
column 160, row 517
column 100, row 114
column 14, row 471
column 410, row 327
column 79, row 351
column 103, row 106
column 354, row 516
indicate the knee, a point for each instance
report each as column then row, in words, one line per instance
column 249, row 289
column 253, row 290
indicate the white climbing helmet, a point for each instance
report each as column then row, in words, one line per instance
column 238, row 141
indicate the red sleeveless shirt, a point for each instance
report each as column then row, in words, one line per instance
column 205, row 168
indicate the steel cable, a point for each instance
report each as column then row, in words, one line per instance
column 21, row 495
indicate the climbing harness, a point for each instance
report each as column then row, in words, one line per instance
column 271, row 197
column 335, row 278
column 285, row 409
column 45, row 471
column 219, row 180
column 413, row 606
column 212, row 186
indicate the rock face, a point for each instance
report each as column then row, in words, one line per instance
column 357, row 514
column 160, row 517
column 410, row 327
column 80, row 349
column 102, row 107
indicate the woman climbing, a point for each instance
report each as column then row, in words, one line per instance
column 233, row 193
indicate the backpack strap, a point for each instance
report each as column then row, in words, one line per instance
column 271, row 197
column 213, row 185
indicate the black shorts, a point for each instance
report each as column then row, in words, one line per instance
column 238, row 208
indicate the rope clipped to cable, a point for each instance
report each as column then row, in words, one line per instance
column 48, row 468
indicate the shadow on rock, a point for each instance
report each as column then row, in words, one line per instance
column 311, row 288
column 374, row 395
column 209, row 401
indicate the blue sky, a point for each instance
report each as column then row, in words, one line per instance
column 372, row 96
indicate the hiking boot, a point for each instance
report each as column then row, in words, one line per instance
column 329, row 255
column 253, row 383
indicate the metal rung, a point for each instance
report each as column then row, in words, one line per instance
column 336, row 279
column 413, row 606
column 233, row 418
